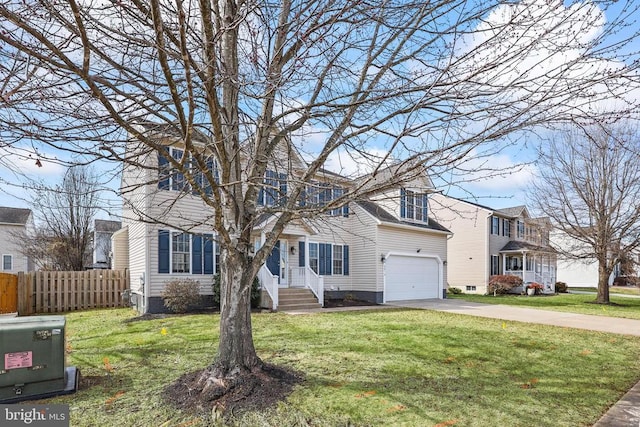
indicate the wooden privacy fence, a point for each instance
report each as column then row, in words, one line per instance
column 8, row 293
column 59, row 291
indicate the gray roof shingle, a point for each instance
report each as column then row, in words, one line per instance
column 17, row 216
column 381, row 214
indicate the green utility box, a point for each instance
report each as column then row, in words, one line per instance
column 32, row 359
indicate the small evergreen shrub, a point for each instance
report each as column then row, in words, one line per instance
column 180, row 294
column 561, row 287
column 256, row 292
column 503, row 283
column 454, row 291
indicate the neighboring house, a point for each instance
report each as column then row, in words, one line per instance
column 490, row 241
column 14, row 222
column 102, row 232
column 581, row 272
column 377, row 250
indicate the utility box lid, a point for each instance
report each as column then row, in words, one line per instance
column 32, row 349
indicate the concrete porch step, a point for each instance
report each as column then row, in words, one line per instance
column 290, row 299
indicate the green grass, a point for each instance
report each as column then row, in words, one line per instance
column 574, row 303
column 613, row 290
column 382, row 367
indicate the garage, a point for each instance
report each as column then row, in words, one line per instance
column 411, row 277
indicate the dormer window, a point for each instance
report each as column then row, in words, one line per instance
column 414, row 205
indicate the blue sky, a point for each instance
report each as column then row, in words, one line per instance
column 496, row 191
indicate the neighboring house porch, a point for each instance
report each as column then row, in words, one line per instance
column 531, row 263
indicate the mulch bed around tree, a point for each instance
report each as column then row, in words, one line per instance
column 255, row 391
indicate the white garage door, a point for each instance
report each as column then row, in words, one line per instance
column 408, row 277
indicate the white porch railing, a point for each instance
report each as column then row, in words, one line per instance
column 307, row 278
column 269, row 282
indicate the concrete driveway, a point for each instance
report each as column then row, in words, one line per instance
column 614, row 325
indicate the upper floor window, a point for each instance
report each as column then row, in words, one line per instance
column 495, row 225
column 170, row 178
column 274, row 191
column 414, row 205
column 506, row 227
column 520, row 231
column 7, row 262
column 319, row 194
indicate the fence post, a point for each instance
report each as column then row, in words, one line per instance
column 24, row 294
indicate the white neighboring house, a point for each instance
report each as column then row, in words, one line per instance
column 102, row 231
column 377, row 250
column 13, row 223
column 489, row 241
column 577, row 272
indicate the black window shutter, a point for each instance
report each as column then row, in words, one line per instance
column 163, row 251
column 196, row 254
column 300, row 254
column 345, row 260
column 208, row 254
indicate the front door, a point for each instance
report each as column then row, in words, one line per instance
column 277, row 262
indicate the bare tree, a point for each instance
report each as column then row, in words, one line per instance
column 588, row 186
column 398, row 86
column 64, row 217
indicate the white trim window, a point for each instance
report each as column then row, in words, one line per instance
column 414, row 205
column 495, row 264
column 337, row 259
column 506, row 227
column 313, row 257
column 520, row 225
column 495, row 225
column 180, row 252
column 7, row 262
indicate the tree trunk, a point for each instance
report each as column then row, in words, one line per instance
column 236, row 353
column 603, row 284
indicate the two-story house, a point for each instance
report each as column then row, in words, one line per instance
column 14, row 222
column 378, row 250
column 490, row 241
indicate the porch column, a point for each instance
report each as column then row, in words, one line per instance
column 307, row 279
column 504, row 264
column 524, row 266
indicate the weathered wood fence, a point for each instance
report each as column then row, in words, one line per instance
column 60, row 291
column 8, row 293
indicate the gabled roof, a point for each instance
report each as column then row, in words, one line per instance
column 515, row 245
column 18, row 216
column 107, row 226
column 384, row 216
column 513, row 212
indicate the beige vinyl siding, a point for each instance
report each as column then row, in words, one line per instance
column 468, row 253
column 365, row 267
column 10, row 246
column 120, row 249
column 137, row 256
column 404, row 240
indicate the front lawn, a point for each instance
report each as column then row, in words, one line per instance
column 624, row 290
column 573, row 303
column 382, row 367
